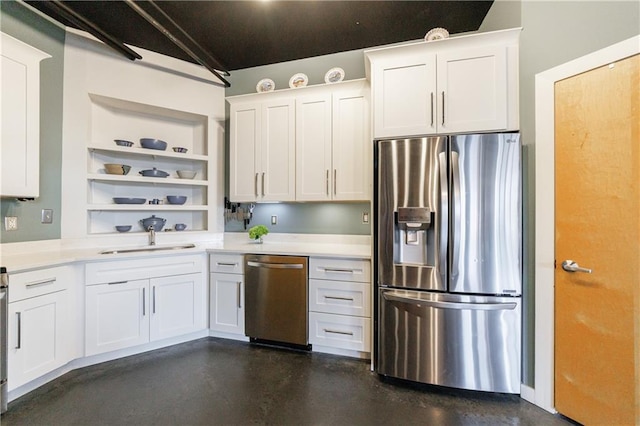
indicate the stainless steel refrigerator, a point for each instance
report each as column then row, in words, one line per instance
column 448, row 256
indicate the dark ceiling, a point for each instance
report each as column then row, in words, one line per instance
column 243, row 34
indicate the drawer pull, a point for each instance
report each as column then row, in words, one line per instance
column 117, row 282
column 41, row 282
column 226, row 264
column 344, row 271
column 345, row 333
column 339, row 298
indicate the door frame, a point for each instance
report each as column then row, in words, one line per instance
column 543, row 393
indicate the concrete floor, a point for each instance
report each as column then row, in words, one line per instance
column 216, row 381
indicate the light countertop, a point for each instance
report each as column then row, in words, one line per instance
column 55, row 253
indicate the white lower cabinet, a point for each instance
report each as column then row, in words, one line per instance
column 116, row 316
column 226, row 303
column 226, row 293
column 40, row 338
column 127, row 312
column 176, row 306
column 340, row 304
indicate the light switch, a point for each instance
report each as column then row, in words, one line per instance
column 274, row 220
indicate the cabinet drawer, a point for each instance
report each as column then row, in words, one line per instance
column 340, row 269
column 227, row 263
column 142, row 268
column 340, row 297
column 340, row 331
column 24, row 285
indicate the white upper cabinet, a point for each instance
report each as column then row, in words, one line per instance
column 404, row 90
column 262, row 151
column 472, row 90
column 351, row 146
column 460, row 85
column 305, row 144
column 20, row 143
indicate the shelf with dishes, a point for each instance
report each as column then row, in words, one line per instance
column 146, row 207
column 146, row 180
column 127, row 222
column 133, row 152
column 144, row 162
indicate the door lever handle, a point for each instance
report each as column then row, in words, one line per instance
column 571, row 266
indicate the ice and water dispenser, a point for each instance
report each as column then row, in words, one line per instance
column 414, row 242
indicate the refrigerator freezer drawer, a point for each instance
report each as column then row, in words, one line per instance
column 467, row 342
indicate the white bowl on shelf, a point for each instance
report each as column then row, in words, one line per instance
column 186, row 174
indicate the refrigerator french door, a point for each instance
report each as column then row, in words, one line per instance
column 448, row 256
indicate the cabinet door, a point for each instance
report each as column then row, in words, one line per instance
column 404, row 90
column 39, row 337
column 227, row 303
column 472, row 90
column 117, row 316
column 244, row 157
column 20, row 140
column 352, row 161
column 313, row 148
column 177, row 306
column 277, row 152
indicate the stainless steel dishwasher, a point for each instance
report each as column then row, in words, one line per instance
column 276, row 289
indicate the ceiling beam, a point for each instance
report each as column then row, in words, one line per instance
column 133, row 4
column 66, row 12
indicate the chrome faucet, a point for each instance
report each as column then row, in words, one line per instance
column 152, row 235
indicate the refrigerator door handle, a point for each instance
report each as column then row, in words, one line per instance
column 475, row 306
column 455, row 213
column 444, row 211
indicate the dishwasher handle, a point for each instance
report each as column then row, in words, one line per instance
column 275, row 265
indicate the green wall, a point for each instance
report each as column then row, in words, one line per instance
column 25, row 25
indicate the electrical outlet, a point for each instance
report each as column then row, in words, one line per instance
column 47, row 216
column 274, row 220
column 10, row 223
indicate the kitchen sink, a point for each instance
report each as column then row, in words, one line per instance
column 148, row 249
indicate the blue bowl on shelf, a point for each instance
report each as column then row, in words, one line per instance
column 123, row 228
column 122, row 142
column 176, row 199
column 153, row 144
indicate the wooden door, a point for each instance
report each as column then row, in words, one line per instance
column 597, row 224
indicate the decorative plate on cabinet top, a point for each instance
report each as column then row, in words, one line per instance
column 436, row 34
column 334, row 75
column 265, row 85
column 298, row 80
